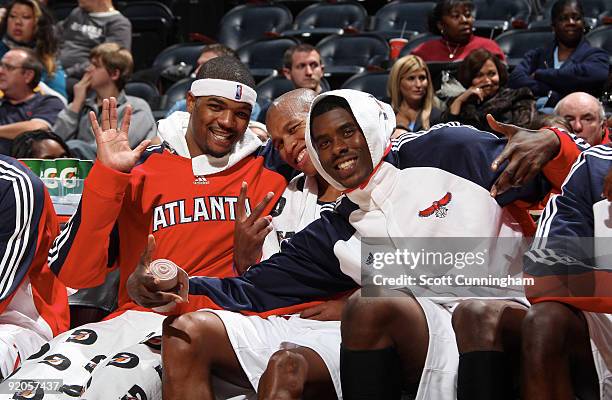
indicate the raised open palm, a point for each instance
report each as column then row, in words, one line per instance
column 113, row 147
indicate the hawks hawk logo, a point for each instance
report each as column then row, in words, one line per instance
column 57, row 361
column 45, row 348
column 83, row 336
column 72, row 390
column 124, row 360
column 30, row 394
column 438, row 208
column 135, row 393
column 93, row 363
column 153, row 342
column 238, row 92
column 370, row 259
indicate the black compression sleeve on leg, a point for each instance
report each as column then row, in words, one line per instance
column 370, row 374
column 484, row 375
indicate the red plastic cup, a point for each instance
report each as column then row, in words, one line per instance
column 397, row 44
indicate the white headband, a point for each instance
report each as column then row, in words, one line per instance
column 220, row 87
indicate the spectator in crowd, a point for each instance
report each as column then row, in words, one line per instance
column 30, row 24
column 586, row 115
column 485, row 77
column 22, row 109
column 33, row 303
column 454, row 21
column 39, row 144
column 566, row 65
column 302, row 65
column 412, row 95
column 93, row 22
column 109, row 70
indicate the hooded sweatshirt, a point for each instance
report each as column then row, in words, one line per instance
column 188, row 204
column 450, row 161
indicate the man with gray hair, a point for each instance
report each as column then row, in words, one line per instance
column 586, row 115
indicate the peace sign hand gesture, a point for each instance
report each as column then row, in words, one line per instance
column 113, row 147
column 250, row 231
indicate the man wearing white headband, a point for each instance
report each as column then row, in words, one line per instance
column 391, row 189
column 183, row 193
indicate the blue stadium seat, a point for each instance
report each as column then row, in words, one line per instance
column 516, row 43
column 327, row 18
column 249, row 22
column 264, row 57
column 374, row 83
column 601, row 37
column 152, row 30
column 392, row 18
column 351, row 54
column 177, row 53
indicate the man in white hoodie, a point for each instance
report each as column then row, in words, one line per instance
column 387, row 186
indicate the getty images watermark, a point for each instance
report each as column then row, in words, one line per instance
column 448, row 267
column 488, row 267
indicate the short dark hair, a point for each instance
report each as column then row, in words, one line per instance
column 558, row 7
column 327, row 104
column 442, row 8
column 227, row 68
column 219, row 49
column 471, row 65
column 302, row 47
column 33, row 63
column 22, row 146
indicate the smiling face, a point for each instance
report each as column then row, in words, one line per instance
column 487, row 79
column 21, row 23
column 216, row 124
column 569, row 26
column 342, row 147
column 286, row 123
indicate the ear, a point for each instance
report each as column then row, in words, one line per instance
column 287, row 73
column 29, row 75
column 440, row 26
column 114, row 75
column 190, row 100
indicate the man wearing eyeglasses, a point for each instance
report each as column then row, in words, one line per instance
column 22, row 109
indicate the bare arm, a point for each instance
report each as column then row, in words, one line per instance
column 11, row 131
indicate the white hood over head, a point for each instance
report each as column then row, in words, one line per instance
column 375, row 118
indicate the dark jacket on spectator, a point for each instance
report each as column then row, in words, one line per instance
column 586, row 70
column 511, row 106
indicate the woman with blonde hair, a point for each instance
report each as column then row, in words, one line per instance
column 412, row 95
